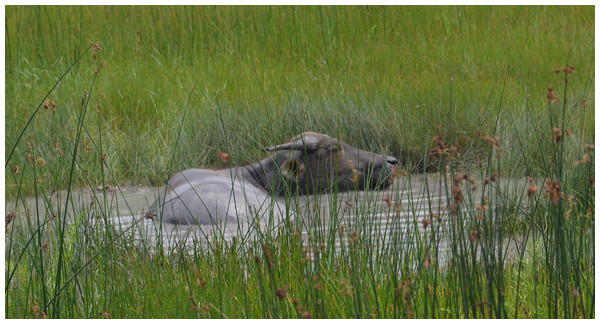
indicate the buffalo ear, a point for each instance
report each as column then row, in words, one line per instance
column 300, row 143
column 292, row 169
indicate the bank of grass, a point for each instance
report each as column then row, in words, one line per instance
column 377, row 77
column 132, row 131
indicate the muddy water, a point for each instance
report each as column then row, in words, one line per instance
column 405, row 209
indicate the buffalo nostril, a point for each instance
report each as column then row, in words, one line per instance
column 392, row 160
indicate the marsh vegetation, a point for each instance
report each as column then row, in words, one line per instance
column 100, row 98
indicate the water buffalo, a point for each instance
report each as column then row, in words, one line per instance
column 309, row 163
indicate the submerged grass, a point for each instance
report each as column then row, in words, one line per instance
column 459, row 253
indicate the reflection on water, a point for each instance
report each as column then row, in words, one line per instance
column 408, row 210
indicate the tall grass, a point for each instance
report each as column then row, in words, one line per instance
column 476, row 239
column 272, row 72
column 446, row 256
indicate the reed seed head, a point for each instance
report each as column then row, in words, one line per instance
column 457, row 194
column 96, row 48
column 50, row 105
column 223, row 157
column 37, row 311
column 387, row 200
column 40, row 161
column 150, row 215
column 426, row 222
column 354, row 237
column 587, row 157
column 281, row 292
column 551, row 96
column 532, row 188
column 474, row 234
column 552, row 191
column 9, row 218
column 558, row 135
column 494, row 176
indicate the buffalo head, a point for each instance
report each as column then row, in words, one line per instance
column 313, row 163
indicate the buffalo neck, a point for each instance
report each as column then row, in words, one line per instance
column 262, row 174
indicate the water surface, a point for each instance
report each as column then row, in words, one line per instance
column 403, row 212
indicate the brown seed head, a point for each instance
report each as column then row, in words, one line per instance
column 474, row 234
column 354, row 236
column 569, row 69
column 426, row 222
column 223, row 157
column 9, row 218
column 387, row 200
column 587, row 157
column 494, row 176
column 44, row 247
column 50, row 105
column 150, row 215
column 457, row 194
column 97, row 71
column 347, row 289
column 441, row 147
column 532, row 188
column 552, row 191
column 551, row 96
column 37, row 311
column 558, row 135
column 96, row 48
column 40, row 161
column 281, row 292
column 494, row 141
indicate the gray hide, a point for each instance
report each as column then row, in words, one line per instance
column 309, row 163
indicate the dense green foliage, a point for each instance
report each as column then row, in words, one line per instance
column 376, row 77
column 171, row 86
